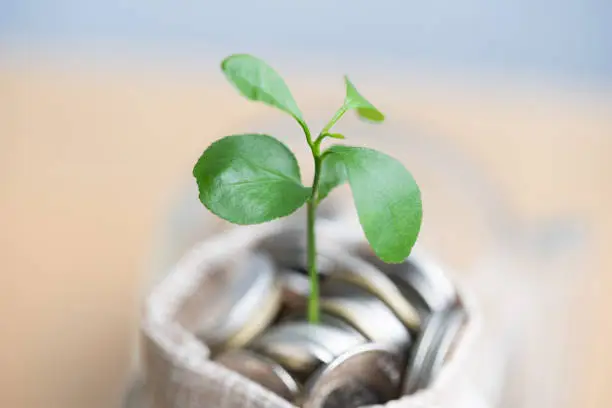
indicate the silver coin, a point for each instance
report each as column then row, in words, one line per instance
column 366, row 313
column 289, row 251
column 447, row 339
column 432, row 348
column 237, row 305
column 421, row 280
column 302, row 347
column 418, row 373
column 261, row 370
column 295, row 287
column 369, row 277
column 324, row 318
column 366, row 375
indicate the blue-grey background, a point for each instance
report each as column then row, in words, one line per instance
column 569, row 39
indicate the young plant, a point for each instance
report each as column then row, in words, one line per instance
column 254, row 178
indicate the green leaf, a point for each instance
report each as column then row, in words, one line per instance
column 354, row 100
column 387, row 199
column 336, row 135
column 258, row 81
column 249, row 179
column 332, row 175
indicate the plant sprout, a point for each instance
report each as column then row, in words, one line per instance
column 254, row 178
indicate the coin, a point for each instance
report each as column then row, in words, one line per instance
column 247, row 299
column 261, row 370
column 324, row 318
column 420, row 280
column 289, row 251
column 366, row 313
column 369, row 277
column 432, row 348
column 301, row 315
column 366, row 375
column 417, row 372
column 301, row 347
column 447, row 339
column 295, row 287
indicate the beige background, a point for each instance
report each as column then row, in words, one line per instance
column 89, row 157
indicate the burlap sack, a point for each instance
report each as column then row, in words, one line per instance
column 179, row 374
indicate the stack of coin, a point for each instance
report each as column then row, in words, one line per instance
column 239, row 302
column 366, row 313
column 366, row 375
column 262, row 370
column 435, row 344
column 385, row 329
column 422, row 282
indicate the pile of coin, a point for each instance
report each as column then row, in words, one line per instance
column 385, row 329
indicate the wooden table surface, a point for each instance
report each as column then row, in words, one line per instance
column 88, row 158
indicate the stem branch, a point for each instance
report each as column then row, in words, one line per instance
column 334, row 119
column 306, row 131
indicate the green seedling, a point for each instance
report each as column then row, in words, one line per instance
column 254, row 178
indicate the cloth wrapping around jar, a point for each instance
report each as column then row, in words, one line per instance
column 178, row 371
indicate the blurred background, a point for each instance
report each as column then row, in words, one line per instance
column 106, row 105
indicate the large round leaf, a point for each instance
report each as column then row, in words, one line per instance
column 250, row 179
column 387, row 199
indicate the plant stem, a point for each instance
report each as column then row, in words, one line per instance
column 313, row 299
column 315, row 147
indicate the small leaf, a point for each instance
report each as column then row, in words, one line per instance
column 249, row 179
column 332, row 175
column 336, row 135
column 258, row 81
column 364, row 108
column 387, row 199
